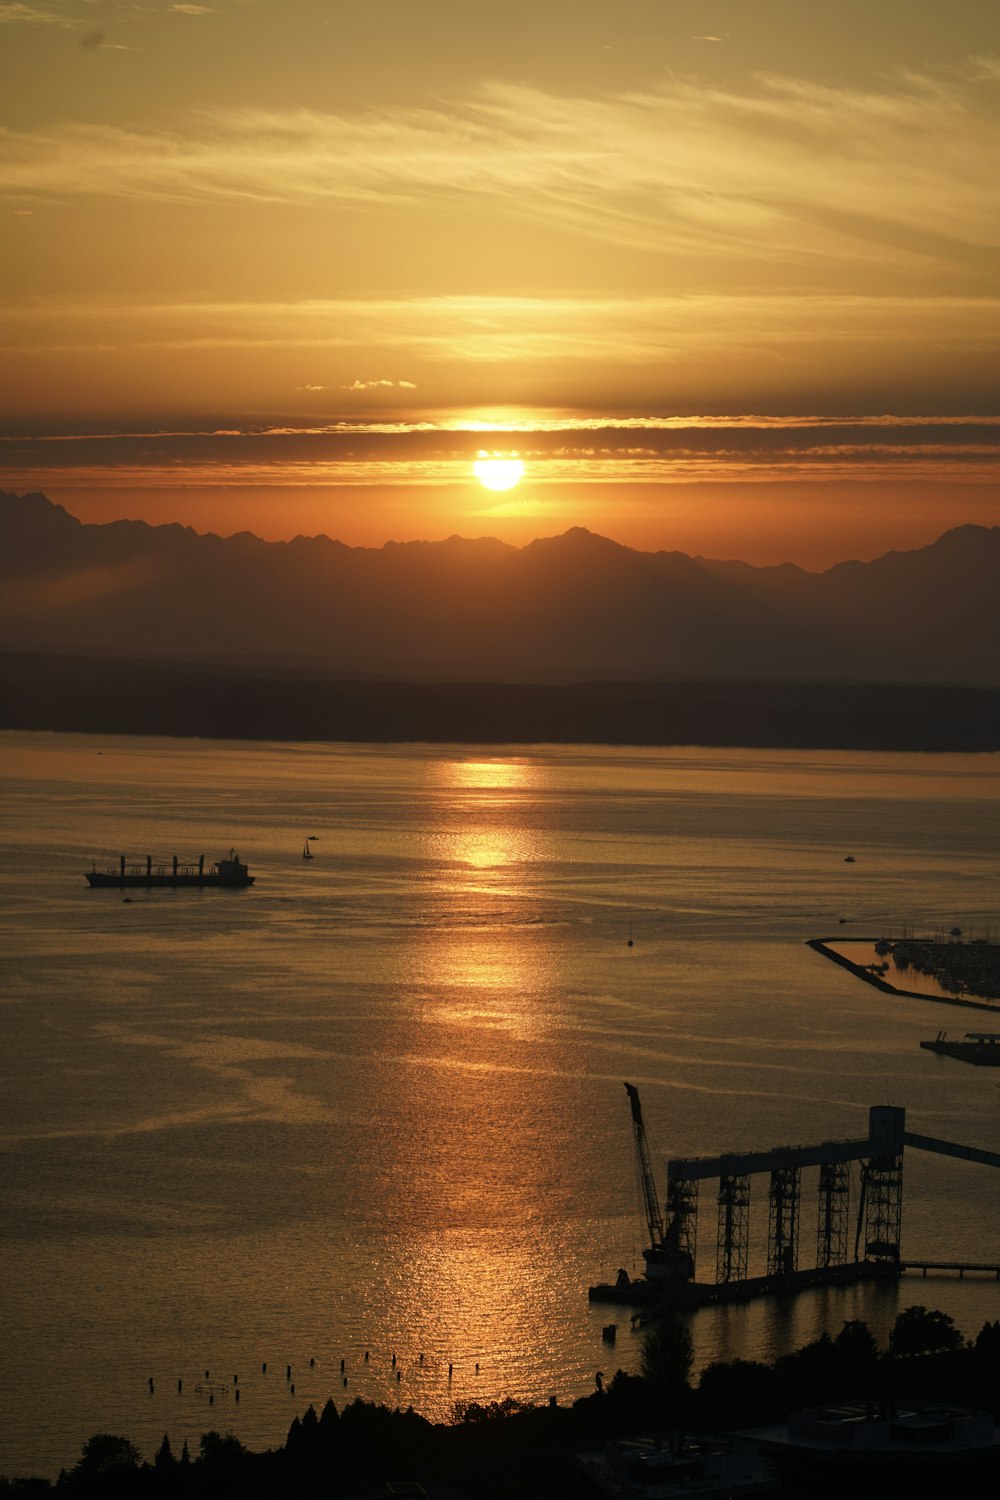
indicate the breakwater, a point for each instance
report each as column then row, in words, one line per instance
column 826, row 946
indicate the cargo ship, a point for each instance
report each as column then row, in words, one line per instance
column 231, row 873
column 982, row 1047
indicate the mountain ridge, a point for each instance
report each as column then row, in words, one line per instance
column 573, row 607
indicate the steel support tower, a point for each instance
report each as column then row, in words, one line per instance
column 732, row 1252
column 834, row 1213
column 681, row 1236
column 783, row 1222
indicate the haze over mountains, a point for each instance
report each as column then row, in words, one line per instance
column 575, row 607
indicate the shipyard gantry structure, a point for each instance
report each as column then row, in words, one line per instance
column 848, row 1247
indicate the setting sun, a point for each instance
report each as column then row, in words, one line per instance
column 498, row 473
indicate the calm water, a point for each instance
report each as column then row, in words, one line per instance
column 376, row 1102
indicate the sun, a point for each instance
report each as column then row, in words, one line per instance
column 498, row 472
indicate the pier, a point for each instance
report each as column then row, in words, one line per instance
column 986, row 1268
column 845, row 1246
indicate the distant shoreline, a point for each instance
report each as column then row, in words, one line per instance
column 72, row 693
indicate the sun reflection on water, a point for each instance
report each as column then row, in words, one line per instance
column 491, row 773
column 475, row 1125
column 471, row 1318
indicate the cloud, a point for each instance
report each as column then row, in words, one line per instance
column 12, row 12
column 374, row 385
column 194, row 10
column 746, row 450
column 758, row 331
column 784, row 170
column 986, row 68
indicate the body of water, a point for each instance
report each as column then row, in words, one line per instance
column 375, row 1105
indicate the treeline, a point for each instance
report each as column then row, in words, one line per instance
column 101, row 695
column 508, row 1448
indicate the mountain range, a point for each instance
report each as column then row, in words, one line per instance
column 570, row 608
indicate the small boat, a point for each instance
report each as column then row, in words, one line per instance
column 306, row 851
column 849, row 859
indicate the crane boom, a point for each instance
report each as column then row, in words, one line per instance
column 654, row 1216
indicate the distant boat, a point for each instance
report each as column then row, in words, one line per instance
column 306, row 851
column 231, row 872
column 849, row 859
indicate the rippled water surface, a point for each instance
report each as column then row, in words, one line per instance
column 375, row 1103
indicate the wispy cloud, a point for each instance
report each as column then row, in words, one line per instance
column 601, row 451
column 379, row 385
column 787, row 169
column 987, row 68
column 488, row 329
column 13, row 12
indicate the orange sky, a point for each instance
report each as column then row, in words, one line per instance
column 287, row 266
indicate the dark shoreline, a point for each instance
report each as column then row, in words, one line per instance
column 507, row 1448
column 71, row 693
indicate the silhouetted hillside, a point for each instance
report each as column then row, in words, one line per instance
column 106, row 696
column 571, row 608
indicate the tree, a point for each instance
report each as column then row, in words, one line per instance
column 919, row 1330
column 736, row 1385
column 293, row 1442
column 222, row 1455
column 106, row 1452
column 987, row 1346
column 472, row 1412
column 857, row 1348
column 810, row 1373
column 164, row 1455
column 667, row 1356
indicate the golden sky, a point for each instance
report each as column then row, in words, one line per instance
column 723, row 274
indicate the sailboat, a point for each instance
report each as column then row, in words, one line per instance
column 306, row 851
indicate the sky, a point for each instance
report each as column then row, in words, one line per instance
column 722, row 274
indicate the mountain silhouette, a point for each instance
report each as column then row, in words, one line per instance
column 576, row 607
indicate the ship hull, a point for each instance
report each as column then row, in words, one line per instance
column 982, row 1055
column 131, row 882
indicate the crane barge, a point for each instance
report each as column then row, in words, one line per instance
column 669, row 1256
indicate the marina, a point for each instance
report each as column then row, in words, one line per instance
column 941, row 971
